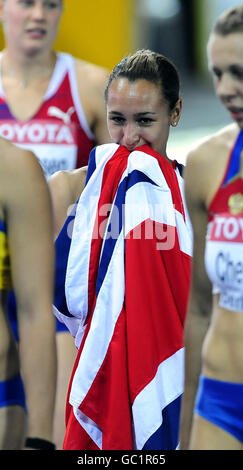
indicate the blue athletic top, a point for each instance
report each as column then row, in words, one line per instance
column 224, row 245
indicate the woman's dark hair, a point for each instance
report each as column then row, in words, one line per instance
column 231, row 21
column 145, row 64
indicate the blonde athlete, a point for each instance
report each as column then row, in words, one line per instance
column 214, row 326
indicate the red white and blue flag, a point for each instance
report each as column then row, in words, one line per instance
column 124, row 255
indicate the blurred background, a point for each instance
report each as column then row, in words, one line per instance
column 103, row 31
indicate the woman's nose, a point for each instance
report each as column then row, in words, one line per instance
column 131, row 136
column 226, row 86
column 38, row 11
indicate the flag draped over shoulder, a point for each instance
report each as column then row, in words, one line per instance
column 126, row 268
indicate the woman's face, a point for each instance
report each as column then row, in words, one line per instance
column 30, row 25
column 137, row 114
column 225, row 58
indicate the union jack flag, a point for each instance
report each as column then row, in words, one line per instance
column 124, row 255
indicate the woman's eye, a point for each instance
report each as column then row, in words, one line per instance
column 145, row 121
column 48, row 4
column 217, row 73
column 117, row 120
column 237, row 72
column 26, row 2
column 52, row 4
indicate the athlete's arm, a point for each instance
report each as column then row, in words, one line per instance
column 29, row 221
column 199, row 308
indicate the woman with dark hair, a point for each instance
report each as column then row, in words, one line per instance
column 126, row 269
column 214, row 326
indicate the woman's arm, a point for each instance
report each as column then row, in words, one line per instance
column 30, row 234
column 200, row 300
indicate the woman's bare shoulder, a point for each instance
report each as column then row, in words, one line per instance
column 19, row 168
column 77, row 180
column 207, row 160
column 68, row 184
column 95, row 73
column 211, row 148
column 13, row 156
column 65, row 188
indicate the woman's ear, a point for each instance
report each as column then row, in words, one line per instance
column 176, row 113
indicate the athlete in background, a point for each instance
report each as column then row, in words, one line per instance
column 214, row 324
column 52, row 104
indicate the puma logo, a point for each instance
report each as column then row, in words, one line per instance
column 53, row 111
